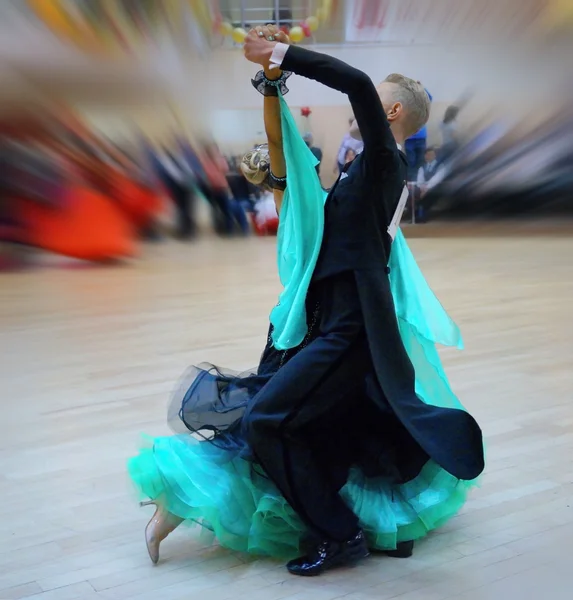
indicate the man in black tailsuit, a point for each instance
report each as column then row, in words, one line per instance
column 358, row 357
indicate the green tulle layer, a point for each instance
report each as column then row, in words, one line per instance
column 197, row 482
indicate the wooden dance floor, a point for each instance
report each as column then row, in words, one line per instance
column 91, row 354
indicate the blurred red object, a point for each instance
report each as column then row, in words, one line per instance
column 140, row 203
column 89, row 227
column 267, row 227
column 305, row 111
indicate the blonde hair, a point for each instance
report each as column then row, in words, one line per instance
column 415, row 100
column 255, row 165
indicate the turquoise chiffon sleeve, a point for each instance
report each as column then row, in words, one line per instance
column 415, row 302
column 299, row 236
column 423, row 323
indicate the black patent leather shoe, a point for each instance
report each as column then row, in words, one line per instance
column 403, row 550
column 328, row 555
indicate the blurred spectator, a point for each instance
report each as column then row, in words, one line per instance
column 349, row 156
column 242, row 190
column 70, row 191
column 415, row 150
column 348, row 143
column 216, row 168
column 428, row 170
column 227, row 211
column 198, row 177
column 314, row 149
column 242, row 196
column 425, row 180
column 171, row 172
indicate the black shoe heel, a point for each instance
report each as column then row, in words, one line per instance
column 403, row 550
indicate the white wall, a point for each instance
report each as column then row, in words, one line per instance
column 223, row 80
column 231, row 109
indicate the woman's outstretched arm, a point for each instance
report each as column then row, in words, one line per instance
column 272, row 113
column 272, row 117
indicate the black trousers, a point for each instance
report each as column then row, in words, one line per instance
column 322, row 378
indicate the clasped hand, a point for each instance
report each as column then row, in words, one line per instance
column 260, row 43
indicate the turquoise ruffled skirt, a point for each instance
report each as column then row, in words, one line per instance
column 245, row 512
column 220, row 489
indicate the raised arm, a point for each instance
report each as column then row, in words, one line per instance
column 273, row 129
column 272, row 113
column 368, row 110
column 361, row 92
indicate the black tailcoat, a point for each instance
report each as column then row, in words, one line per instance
column 358, row 211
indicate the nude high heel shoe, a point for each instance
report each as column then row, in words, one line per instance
column 161, row 524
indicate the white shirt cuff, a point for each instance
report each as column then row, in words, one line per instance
column 278, row 55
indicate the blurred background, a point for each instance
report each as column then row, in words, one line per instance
column 132, row 246
column 123, row 121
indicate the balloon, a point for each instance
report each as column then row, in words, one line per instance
column 296, row 34
column 306, row 29
column 312, row 23
column 321, row 14
column 239, row 35
column 225, row 28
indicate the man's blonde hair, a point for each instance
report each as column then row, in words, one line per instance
column 415, row 100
